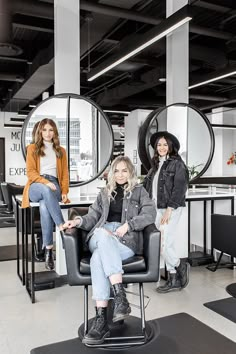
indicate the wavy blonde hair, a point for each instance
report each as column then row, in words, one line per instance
column 39, row 151
column 132, row 178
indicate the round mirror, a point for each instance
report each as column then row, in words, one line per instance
column 84, row 131
column 190, row 126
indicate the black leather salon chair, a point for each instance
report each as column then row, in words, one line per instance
column 13, row 192
column 223, row 239
column 137, row 270
column 7, row 191
column 2, row 201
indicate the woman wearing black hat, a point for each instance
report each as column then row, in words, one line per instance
column 167, row 182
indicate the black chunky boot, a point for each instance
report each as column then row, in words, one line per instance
column 183, row 271
column 99, row 330
column 49, row 260
column 173, row 283
column 121, row 304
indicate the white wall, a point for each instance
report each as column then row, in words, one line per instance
column 15, row 171
column 225, row 143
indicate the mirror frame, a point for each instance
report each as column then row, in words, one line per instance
column 69, row 96
column 154, row 115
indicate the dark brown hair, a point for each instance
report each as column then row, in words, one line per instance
column 39, row 139
column 172, row 151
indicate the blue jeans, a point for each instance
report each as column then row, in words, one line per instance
column 107, row 255
column 50, row 211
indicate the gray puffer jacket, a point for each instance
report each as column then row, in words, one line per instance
column 138, row 210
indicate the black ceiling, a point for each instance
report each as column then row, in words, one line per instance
column 27, row 53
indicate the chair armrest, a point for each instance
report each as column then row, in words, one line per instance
column 73, row 245
column 151, row 250
column 76, row 211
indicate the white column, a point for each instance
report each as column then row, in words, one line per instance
column 177, row 58
column 177, row 74
column 132, row 124
column 67, row 46
column 66, row 73
column 177, row 79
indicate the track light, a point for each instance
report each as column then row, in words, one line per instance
column 170, row 24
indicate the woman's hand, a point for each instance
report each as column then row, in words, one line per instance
column 166, row 216
column 51, row 186
column 71, row 223
column 122, row 230
column 64, row 198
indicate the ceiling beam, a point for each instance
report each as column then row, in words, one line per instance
column 32, row 27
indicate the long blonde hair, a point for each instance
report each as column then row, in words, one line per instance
column 39, row 138
column 132, row 178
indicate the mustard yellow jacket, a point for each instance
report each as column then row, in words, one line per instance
column 33, row 173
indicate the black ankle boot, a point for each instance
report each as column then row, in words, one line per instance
column 183, row 271
column 121, row 304
column 49, row 260
column 173, row 283
column 99, row 330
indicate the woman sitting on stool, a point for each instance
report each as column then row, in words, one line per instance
column 48, row 181
column 114, row 221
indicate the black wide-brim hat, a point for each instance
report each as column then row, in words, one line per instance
column 167, row 135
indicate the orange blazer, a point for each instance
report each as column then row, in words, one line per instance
column 33, row 173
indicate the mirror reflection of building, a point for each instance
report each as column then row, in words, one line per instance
column 167, row 183
column 48, row 182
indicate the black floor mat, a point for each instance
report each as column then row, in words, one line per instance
column 224, row 307
column 7, row 253
column 176, row 334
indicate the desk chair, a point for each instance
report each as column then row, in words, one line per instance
column 137, row 269
column 223, row 238
column 6, row 198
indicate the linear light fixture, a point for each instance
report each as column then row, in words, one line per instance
column 170, row 24
column 212, row 79
column 123, row 112
column 223, row 126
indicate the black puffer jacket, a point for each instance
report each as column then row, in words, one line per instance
column 172, row 183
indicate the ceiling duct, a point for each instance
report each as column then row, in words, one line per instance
column 7, row 48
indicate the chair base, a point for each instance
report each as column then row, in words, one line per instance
column 127, row 334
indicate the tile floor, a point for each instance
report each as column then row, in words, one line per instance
column 58, row 312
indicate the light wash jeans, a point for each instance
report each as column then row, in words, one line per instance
column 169, row 239
column 50, row 211
column 107, row 255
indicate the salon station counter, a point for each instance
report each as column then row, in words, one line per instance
column 193, row 231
